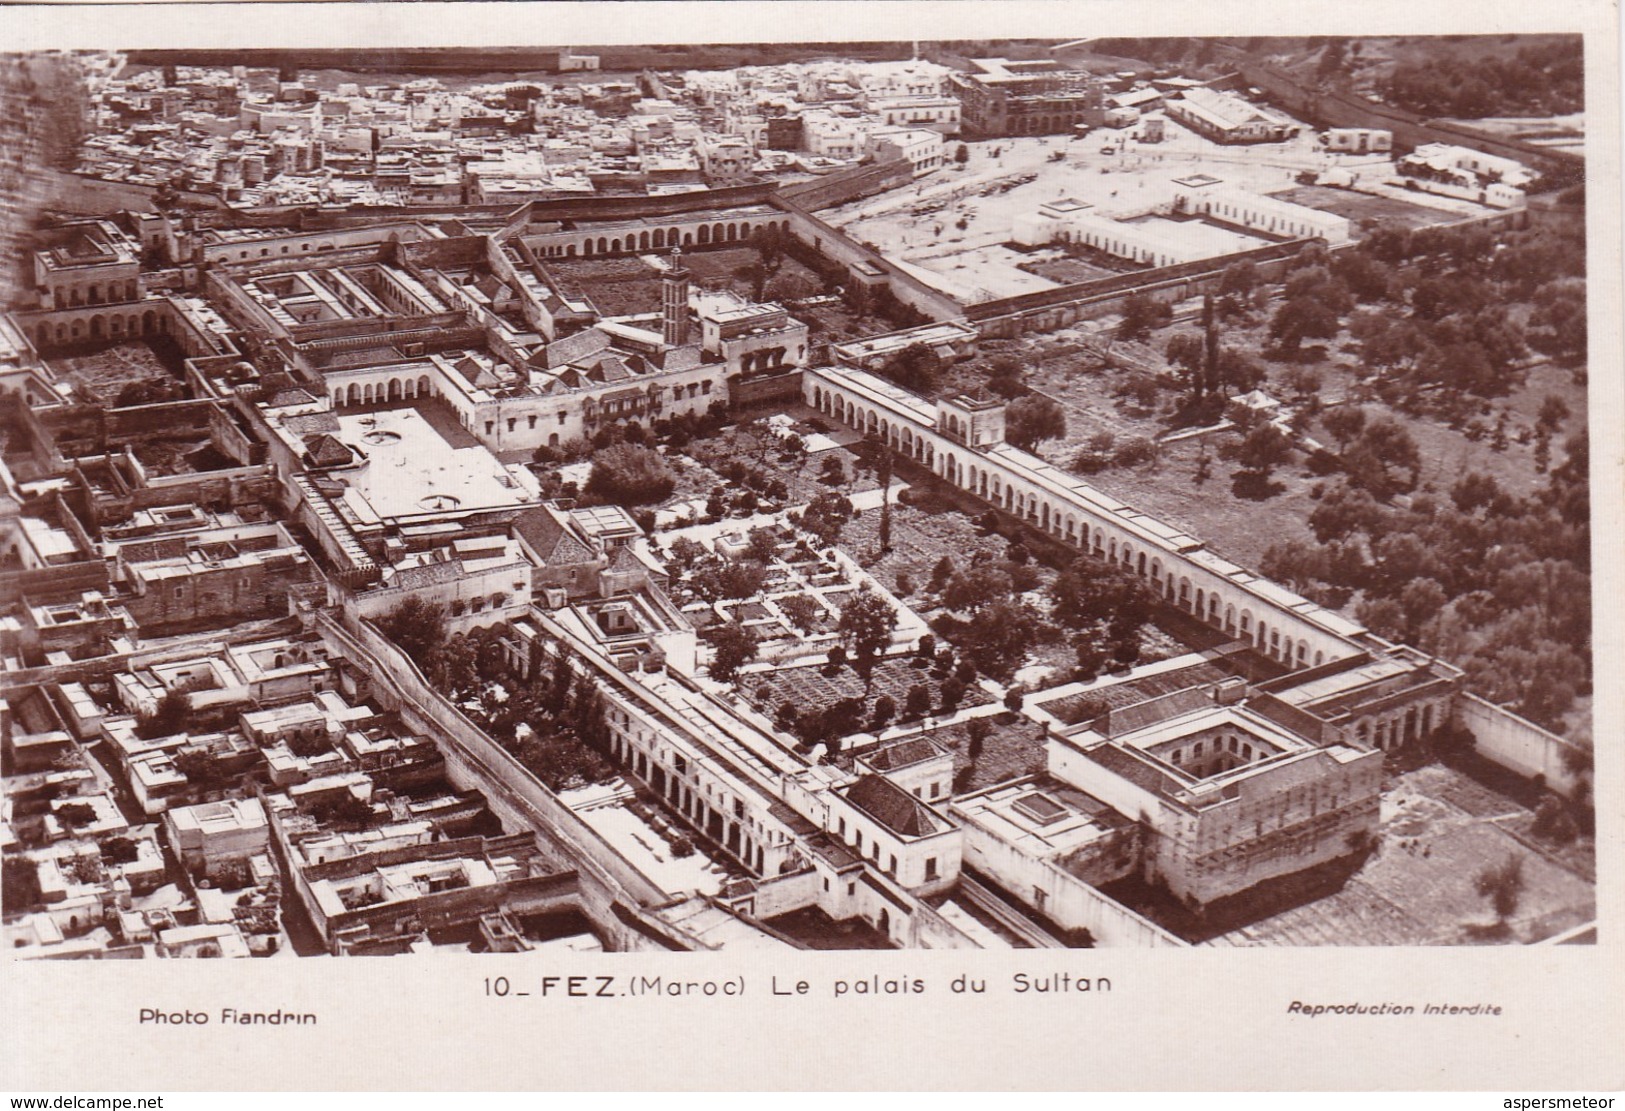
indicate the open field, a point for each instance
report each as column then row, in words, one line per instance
column 1006, row 178
column 1361, row 207
column 1241, row 527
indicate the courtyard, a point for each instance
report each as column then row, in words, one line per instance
column 1439, row 829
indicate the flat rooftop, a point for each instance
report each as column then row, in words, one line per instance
column 412, row 470
column 1041, row 817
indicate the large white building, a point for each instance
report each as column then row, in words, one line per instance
column 921, row 147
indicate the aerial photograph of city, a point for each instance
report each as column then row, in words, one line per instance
column 1000, row 494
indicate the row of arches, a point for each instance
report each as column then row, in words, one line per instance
column 108, row 324
column 1265, row 632
column 737, row 837
column 383, row 391
column 96, row 293
column 587, row 245
column 1402, row 726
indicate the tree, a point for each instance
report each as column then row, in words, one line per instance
column 1383, row 449
column 951, row 694
column 866, row 622
column 733, row 646
column 962, row 154
column 1553, row 412
column 1301, row 318
column 168, row 717
column 1027, row 420
column 826, row 515
column 885, row 709
column 1001, row 636
column 940, row 574
column 976, row 731
column 915, row 367
column 1141, row 313
column 1189, row 353
column 1092, row 592
column 1343, row 423
column 417, row 627
column 628, row 474
column 1263, row 449
column 1502, row 884
column 1236, row 286
column 917, row 703
column 1004, row 376
column 979, row 585
column 886, row 464
column 802, row 610
column 763, row 544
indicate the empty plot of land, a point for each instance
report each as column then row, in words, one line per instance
column 994, row 270
column 1358, row 207
column 1068, row 271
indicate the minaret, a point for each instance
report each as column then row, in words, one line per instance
column 674, row 301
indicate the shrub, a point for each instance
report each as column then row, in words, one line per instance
column 1134, row 452
column 630, row 474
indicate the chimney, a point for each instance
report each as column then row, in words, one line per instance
column 674, row 301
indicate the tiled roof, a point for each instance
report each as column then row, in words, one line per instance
column 574, row 349
column 306, row 423
column 892, row 807
column 328, row 451
column 916, row 750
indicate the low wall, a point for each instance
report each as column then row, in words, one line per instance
column 783, row 894
column 1068, row 901
column 1518, row 745
column 763, row 391
column 55, row 581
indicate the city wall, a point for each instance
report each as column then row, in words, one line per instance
column 1335, row 108
column 1054, row 308
column 847, row 185
column 836, row 246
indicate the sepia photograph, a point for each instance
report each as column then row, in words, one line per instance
column 1005, row 494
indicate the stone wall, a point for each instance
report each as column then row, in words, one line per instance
column 1520, row 745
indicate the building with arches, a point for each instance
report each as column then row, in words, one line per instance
column 87, row 262
column 1003, row 97
column 1384, row 694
